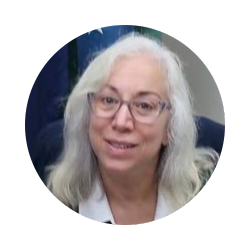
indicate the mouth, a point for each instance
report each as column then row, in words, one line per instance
column 121, row 145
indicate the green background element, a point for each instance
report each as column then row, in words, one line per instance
column 147, row 31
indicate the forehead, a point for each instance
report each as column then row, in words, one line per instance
column 138, row 73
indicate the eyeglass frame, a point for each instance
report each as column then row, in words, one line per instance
column 162, row 104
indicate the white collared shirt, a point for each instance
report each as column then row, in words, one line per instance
column 97, row 208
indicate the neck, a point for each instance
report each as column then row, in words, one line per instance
column 128, row 187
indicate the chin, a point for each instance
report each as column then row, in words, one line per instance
column 116, row 166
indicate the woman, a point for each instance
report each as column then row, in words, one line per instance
column 129, row 142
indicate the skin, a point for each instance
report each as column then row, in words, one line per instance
column 129, row 176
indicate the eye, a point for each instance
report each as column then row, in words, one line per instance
column 108, row 100
column 145, row 106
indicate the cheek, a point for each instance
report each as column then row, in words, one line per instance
column 153, row 138
column 157, row 136
column 95, row 127
column 164, row 129
column 96, row 131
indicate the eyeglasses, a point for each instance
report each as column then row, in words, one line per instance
column 144, row 108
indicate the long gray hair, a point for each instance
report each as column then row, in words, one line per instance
column 182, row 167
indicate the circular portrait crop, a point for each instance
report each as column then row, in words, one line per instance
column 124, row 125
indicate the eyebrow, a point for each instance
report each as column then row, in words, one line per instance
column 140, row 93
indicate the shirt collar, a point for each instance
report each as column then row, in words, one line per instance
column 97, row 208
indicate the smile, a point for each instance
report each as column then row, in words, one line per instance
column 121, row 145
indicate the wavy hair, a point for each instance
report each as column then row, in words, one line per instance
column 182, row 169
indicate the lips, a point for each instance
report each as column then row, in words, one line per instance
column 122, row 145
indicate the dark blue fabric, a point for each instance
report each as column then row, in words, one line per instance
column 50, row 143
column 45, row 100
column 94, row 41
column 48, row 147
column 210, row 134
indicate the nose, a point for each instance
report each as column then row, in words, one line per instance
column 123, row 120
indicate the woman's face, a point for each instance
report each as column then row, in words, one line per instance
column 121, row 143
